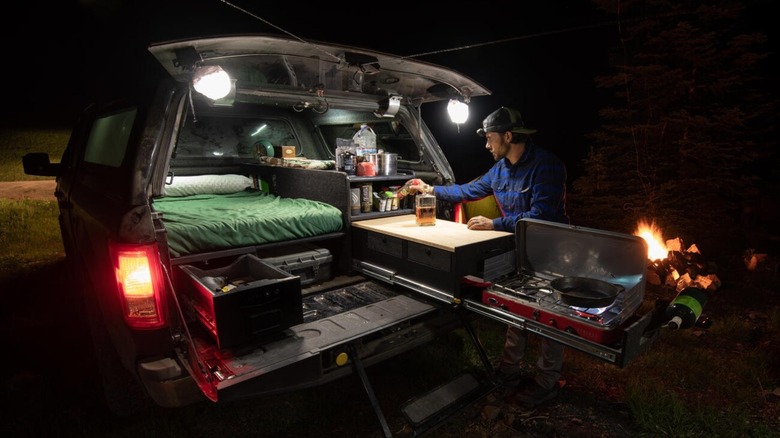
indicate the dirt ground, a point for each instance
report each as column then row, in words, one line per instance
column 19, row 190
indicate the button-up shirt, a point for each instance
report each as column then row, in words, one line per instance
column 534, row 187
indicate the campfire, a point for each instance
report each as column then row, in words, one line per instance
column 670, row 264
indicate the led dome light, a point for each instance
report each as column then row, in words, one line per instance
column 212, row 81
column 458, row 111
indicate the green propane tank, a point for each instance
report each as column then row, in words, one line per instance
column 685, row 309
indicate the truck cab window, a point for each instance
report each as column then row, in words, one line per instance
column 108, row 138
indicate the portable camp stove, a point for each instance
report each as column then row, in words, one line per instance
column 533, row 298
column 546, row 251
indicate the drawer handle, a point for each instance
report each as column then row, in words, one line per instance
column 427, row 251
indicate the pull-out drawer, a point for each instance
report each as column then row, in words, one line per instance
column 429, row 256
column 434, row 257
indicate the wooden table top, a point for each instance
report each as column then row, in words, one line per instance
column 446, row 235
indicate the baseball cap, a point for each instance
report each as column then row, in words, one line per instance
column 502, row 120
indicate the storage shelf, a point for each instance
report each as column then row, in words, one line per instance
column 385, row 180
column 396, row 177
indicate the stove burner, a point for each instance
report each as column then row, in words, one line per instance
column 538, row 291
column 590, row 311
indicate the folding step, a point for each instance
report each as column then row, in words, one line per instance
column 441, row 403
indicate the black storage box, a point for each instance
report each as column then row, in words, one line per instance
column 258, row 301
column 309, row 262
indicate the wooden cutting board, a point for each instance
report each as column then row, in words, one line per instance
column 446, row 235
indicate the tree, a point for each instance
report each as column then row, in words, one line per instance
column 689, row 122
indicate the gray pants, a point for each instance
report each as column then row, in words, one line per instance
column 550, row 360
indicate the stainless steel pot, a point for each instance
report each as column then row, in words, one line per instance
column 388, row 164
column 585, row 292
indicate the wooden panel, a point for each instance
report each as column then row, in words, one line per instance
column 446, row 235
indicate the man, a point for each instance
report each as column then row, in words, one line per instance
column 527, row 182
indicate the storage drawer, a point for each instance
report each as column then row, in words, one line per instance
column 432, row 257
column 258, row 301
column 391, row 246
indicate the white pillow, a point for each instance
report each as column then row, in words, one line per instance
column 207, row 185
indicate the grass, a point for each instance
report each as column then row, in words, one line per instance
column 696, row 382
column 29, row 231
column 15, row 142
column 29, row 234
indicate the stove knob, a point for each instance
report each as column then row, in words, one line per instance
column 570, row 329
column 553, row 322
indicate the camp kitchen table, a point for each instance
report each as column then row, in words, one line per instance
column 494, row 274
column 473, row 269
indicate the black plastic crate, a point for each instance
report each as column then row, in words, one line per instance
column 248, row 300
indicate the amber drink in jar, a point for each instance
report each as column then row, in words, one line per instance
column 425, row 209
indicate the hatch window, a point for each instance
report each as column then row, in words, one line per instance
column 233, row 137
column 392, row 137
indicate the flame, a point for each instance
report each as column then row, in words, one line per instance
column 656, row 248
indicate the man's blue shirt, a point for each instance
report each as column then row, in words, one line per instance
column 535, row 187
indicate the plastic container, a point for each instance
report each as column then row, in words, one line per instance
column 685, row 309
column 365, row 137
column 246, row 301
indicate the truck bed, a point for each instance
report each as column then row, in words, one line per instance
column 379, row 320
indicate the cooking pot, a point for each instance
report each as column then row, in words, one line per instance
column 388, row 164
column 585, row 292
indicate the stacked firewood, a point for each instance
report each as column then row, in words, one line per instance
column 683, row 268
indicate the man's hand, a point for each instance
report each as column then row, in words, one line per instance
column 413, row 186
column 416, row 185
column 480, row 223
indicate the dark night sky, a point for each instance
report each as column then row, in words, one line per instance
column 540, row 57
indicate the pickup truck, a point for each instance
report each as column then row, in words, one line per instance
column 226, row 249
column 212, row 237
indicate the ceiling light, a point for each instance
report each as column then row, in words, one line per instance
column 458, row 111
column 263, row 126
column 212, row 81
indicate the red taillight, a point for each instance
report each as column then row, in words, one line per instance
column 141, row 286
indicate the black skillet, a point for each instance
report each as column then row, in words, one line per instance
column 585, row 292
